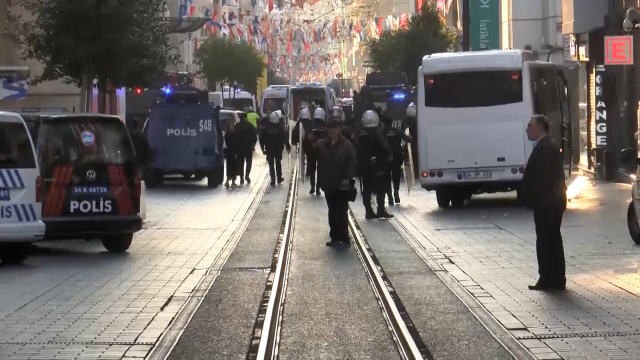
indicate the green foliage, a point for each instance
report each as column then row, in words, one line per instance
column 403, row 50
column 119, row 42
column 224, row 61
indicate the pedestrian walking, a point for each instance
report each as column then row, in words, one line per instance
column 318, row 132
column 231, row 139
column 411, row 123
column 394, row 137
column 337, row 164
column 544, row 191
column 307, row 128
column 273, row 141
column 247, row 138
column 374, row 155
column 337, row 114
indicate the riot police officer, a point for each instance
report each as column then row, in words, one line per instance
column 273, row 141
column 373, row 157
column 394, row 138
column 306, row 123
column 318, row 132
column 337, row 114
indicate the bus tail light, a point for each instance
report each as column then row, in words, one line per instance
column 521, row 170
column 425, row 174
column 440, row 173
column 432, row 173
column 514, row 171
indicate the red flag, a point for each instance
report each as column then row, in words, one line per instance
column 192, row 9
column 419, row 3
column 270, row 5
column 289, row 50
column 307, row 47
column 380, row 21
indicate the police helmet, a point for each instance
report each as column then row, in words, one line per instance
column 319, row 114
column 274, row 118
column 305, row 114
column 370, row 119
column 411, row 110
column 337, row 113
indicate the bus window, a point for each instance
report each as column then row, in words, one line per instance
column 473, row 89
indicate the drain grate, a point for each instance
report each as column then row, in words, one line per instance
column 87, row 343
column 578, row 335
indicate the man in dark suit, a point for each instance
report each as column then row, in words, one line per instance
column 544, row 191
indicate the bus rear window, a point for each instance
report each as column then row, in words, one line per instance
column 473, row 89
column 15, row 148
column 84, row 140
column 242, row 104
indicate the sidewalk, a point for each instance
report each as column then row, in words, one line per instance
column 489, row 247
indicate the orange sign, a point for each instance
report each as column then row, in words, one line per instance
column 618, row 50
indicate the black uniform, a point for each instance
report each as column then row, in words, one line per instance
column 231, row 139
column 373, row 157
column 247, row 138
column 394, row 138
column 318, row 132
column 273, row 140
column 307, row 125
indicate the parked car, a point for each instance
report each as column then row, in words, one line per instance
column 20, row 204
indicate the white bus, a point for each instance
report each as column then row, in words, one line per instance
column 276, row 97
column 312, row 96
column 239, row 100
column 473, row 110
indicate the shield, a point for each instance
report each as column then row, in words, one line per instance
column 407, row 168
column 301, row 153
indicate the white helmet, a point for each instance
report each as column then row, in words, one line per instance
column 319, row 114
column 337, row 113
column 411, row 110
column 370, row 119
column 305, row 114
column 274, row 118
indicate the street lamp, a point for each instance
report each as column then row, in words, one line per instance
column 632, row 19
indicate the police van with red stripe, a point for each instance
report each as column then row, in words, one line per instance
column 20, row 209
column 90, row 184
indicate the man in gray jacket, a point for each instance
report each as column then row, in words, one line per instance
column 337, row 165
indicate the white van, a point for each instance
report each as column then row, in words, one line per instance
column 312, row 96
column 240, row 100
column 473, row 110
column 20, row 204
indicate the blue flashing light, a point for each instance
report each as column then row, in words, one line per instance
column 398, row 96
column 167, row 90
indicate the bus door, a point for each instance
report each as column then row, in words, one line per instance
column 566, row 134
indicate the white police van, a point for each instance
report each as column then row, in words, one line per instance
column 20, row 206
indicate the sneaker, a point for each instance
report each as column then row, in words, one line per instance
column 383, row 214
column 396, row 195
column 248, row 179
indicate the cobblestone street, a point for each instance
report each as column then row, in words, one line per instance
column 73, row 300
column 489, row 248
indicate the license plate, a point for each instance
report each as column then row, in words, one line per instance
column 474, row 175
column 4, row 194
column 90, row 190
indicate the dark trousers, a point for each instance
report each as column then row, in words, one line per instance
column 372, row 183
column 245, row 159
column 232, row 166
column 312, row 166
column 338, row 216
column 549, row 249
column 275, row 165
column 395, row 172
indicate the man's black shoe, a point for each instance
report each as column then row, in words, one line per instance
column 280, row 180
column 391, row 203
column 248, row 179
column 318, row 191
column 370, row 215
column 396, row 195
column 241, row 181
column 313, row 190
column 383, row 214
column 346, row 243
column 332, row 243
column 539, row 287
column 273, row 183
